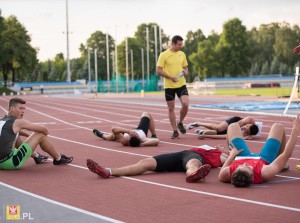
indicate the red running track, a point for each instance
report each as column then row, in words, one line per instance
column 150, row 197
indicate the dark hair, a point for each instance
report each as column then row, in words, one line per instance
column 253, row 129
column 175, row 39
column 134, row 141
column 14, row 101
column 241, row 178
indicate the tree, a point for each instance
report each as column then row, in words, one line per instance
column 262, row 43
column 204, row 60
column 275, row 65
column 98, row 41
column 191, row 46
column 19, row 57
column 140, row 36
column 254, row 71
column 265, row 70
column 135, row 46
column 233, row 48
column 285, row 39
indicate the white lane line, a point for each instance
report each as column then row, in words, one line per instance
column 169, row 186
column 190, row 190
column 60, row 204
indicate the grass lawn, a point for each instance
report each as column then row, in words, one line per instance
column 277, row 92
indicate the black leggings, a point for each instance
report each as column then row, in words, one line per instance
column 176, row 162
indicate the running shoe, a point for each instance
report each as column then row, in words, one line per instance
column 174, row 135
column 40, row 159
column 63, row 160
column 199, row 174
column 97, row 169
column 181, row 128
column 154, row 136
column 199, row 131
column 192, row 125
column 98, row 133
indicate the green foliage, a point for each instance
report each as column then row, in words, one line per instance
column 234, row 52
column 18, row 57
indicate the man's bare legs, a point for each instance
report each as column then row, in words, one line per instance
column 195, row 170
column 184, row 99
column 172, row 116
column 36, row 139
column 151, row 124
column 148, row 164
column 277, row 132
column 192, row 165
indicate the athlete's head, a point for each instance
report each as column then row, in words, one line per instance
column 253, row 129
column 134, row 141
column 16, row 107
column 250, row 129
column 177, row 43
column 242, row 176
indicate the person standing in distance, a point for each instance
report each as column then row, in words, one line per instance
column 172, row 66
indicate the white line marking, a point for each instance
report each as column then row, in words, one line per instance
column 60, row 204
column 153, row 183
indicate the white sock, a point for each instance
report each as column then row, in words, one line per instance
column 58, row 158
column 109, row 169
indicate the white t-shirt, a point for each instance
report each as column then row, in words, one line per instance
column 141, row 134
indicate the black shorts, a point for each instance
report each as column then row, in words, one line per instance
column 230, row 121
column 170, row 92
column 176, row 162
column 144, row 124
column 233, row 120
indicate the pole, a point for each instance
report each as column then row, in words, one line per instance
column 89, row 64
column 155, row 41
column 148, row 66
column 116, row 56
column 160, row 40
column 96, row 71
column 132, row 74
column 126, row 51
column 68, row 55
column 143, row 67
column 107, row 62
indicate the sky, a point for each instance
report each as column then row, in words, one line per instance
column 45, row 20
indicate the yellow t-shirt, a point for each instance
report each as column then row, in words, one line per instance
column 172, row 63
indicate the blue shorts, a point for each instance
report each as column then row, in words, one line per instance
column 268, row 153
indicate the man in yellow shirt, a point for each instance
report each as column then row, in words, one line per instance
column 172, row 65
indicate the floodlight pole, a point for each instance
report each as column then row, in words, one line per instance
column 143, row 67
column 131, row 57
column 89, row 63
column 126, row 52
column 116, row 61
column 68, row 56
column 160, row 40
column 107, row 62
column 96, row 70
column 155, row 41
column 148, row 66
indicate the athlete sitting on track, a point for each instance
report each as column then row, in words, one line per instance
column 195, row 162
column 219, row 131
column 258, row 168
column 133, row 137
column 11, row 127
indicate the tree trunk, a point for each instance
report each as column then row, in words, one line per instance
column 13, row 76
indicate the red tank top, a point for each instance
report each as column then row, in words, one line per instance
column 211, row 156
column 257, row 165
